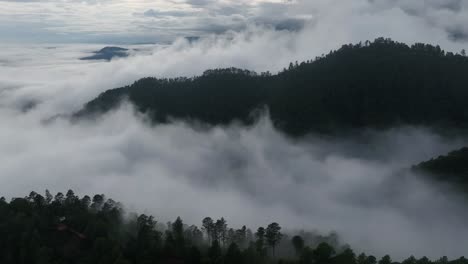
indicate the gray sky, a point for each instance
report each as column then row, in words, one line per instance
column 136, row 21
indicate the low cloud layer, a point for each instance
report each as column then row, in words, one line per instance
column 358, row 188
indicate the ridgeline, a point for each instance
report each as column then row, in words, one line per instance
column 377, row 84
column 452, row 168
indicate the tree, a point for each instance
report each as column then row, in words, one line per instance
column 346, row 257
column 208, row 227
column 423, row 260
column 59, row 198
column 273, row 235
column 371, row 260
column 241, row 236
column 221, row 231
column 349, row 92
column 48, row 197
column 34, row 231
column 463, row 52
column 410, row 260
column 385, row 260
column 70, row 197
column 260, row 240
column 231, row 236
column 298, row 244
column 86, row 201
column 233, row 255
column 323, row 253
column 194, row 255
column 361, row 259
column 98, row 202
column 442, row 260
column 215, row 253
column 193, row 235
column 178, row 233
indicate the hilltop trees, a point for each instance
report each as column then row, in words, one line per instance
column 69, row 229
column 378, row 84
column 452, row 167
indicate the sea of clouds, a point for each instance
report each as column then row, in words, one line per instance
column 358, row 186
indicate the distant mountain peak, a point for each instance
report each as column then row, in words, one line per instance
column 107, row 53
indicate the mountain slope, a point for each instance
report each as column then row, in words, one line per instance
column 375, row 85
column 452, row 167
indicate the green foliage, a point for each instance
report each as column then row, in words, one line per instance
column 385, row 260
column 298, row 244
column 233, row 255
column 69, row 229
column 323, row 253
column 273, row 236
column 376, row 85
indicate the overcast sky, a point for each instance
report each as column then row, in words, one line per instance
column 137, row 21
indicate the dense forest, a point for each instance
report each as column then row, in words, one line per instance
column 452, row 167
column 60, row 229
column 375, row 84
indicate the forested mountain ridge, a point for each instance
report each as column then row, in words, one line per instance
column 377, row 84
column 46, row 229
column 452, row 167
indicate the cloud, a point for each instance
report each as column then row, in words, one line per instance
column 200, row 2
column 252, row 176
column 125, row 21
column 155, row 13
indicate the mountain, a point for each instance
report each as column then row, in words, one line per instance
column 377, row 84
column 452, row 167
column 107, row 53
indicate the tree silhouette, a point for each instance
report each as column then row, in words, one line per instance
column 385, row 260
column 298, row 244
column 66, row 231
column 273, row 235
column 323, row 253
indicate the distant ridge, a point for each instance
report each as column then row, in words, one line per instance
column 452, row 167
column 107, row 53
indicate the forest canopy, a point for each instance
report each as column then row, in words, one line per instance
column 68, row 229
column 377, row 84
column 452, row 167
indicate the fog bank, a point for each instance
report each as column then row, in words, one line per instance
column 247, row 175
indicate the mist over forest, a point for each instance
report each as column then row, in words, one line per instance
column 233, row 132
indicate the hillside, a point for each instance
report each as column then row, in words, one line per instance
column 452, row 167
column 373, row 85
